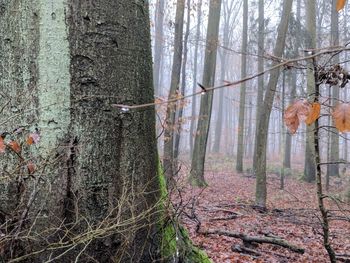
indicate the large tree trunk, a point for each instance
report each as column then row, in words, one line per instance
column 168, row 158
column 93, row 195
column 310, row 165
column 200, row 143
column 242, row 98
column 261, row 191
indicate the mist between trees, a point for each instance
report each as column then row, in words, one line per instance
column 232, row 147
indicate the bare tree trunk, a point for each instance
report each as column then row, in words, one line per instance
column 158, row 44
column 283, row 131
column 242, row 98
column 292, row 77
column 183, row 87
column 320, row 195
column 260, row 95
column 310, row 165
column 226, row 33
column 288, row 143
column 261, row 191
column 168, row 158
column 195, row 62
column 94, row 194
column 200, row 143
column 333, row 169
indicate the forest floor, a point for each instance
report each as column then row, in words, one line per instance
column 292, row 214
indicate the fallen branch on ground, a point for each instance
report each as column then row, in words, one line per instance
column 250, row 239
column 245, row 250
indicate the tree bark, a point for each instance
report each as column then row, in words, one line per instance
column 183, row 87
column 261, row 191
column 310, row 165
column 195, row 65
column 288, row 144
column 260, row 95
column 200, row 143
column 158, row 44
column 168, row 157
column 242, row 98
column 333, row 169
column 94, row 192
column 225, row 33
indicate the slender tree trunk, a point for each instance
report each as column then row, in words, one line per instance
column 183, row 87
column 228, row 9
column 288, row 143
column 283, row 131
column 292, row 76
column 260, row 95
column 168, row 158
column 261, row 191
column 195, row 62
column 94, row 192
column 242, row 98
column 310, row 165
column 201, row 139
column 333, row 169
column 158, row 44
column 219, row 122
column 320, row 195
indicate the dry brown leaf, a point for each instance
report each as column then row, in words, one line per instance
column 2, row 145
column 15, row 146
column 340, row 4
column 314, row 113
column 33, row 138
column 341, row 117
column 30, row 140
column 296, row 113
column 31, row 167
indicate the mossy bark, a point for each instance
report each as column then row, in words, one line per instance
column 176, row 245
column 63, row 63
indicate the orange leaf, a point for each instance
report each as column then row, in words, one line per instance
column 314, row 113
column 341, row 117
column 2, row 145
column 33, row 138
column 340, row 4
column 295, row 113
column 30, row 140
column 31, row 167
column 15, row 146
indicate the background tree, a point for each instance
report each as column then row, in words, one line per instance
column 158, row 44
column 260, row 94
column 168, row 157
column 242, row 98
column 179, row 117
column 333, row 169
column 261, row 191
column 201, row 139
column 195, row 69
column 310, row 165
